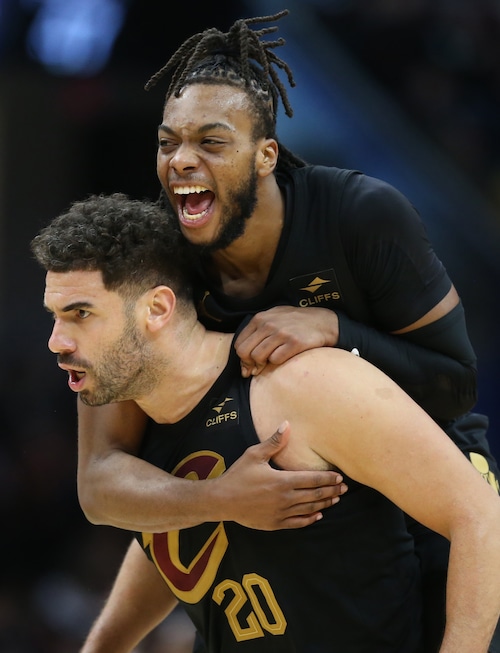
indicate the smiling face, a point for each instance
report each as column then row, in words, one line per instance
column 209, row 163
column 97, row 340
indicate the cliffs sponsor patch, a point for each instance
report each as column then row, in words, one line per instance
column 222, row 413
column 316, row 288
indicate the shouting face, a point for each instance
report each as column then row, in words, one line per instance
column 207, row 163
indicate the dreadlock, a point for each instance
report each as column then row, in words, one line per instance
column 242, row 59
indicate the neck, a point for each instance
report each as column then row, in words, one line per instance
column 242, row 268
column 195, row 361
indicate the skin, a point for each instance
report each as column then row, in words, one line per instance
column 260, row 496
column 205, row 142
column 215, row 153
column 376, row 426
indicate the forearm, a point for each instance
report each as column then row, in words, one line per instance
column 135, row 495
column 116, row 488
column 444, row 384
column 473, row 590
column 139, row 600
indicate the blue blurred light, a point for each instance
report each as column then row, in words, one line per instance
column 75, row 37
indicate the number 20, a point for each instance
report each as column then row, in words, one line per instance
column 257, row 620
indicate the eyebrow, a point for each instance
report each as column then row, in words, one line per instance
column 74, row 306
column 204, row 128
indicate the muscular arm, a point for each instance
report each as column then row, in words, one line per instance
column 124, row 622
column 384, row 440
column 430, row 491
column 118, row 489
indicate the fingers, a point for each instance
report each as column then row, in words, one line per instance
column 301, row 521
column 278, row 440
column 319, row 484
column 304, row 514
column 251, row 369
column 316, row 487
column 254, row 353
column 263, row 340
column 281, row 498
column 277, row 334
column 273, row 350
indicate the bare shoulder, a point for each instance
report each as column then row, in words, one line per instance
column 313, row 391
column 326, row 372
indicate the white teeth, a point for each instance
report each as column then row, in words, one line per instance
column 192, row 216
column 186, row 190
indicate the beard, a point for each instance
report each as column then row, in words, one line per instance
column 237, row 210
column 127, row 369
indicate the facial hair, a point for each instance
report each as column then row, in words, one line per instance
column 238, row 208
column 127, row 369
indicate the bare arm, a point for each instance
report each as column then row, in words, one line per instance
column 118, row 489
column 384, row 440
column 124, row 622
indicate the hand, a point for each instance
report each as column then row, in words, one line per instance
column 279, row 333
column 269, row 499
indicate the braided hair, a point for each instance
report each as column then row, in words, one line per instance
column 238, row 58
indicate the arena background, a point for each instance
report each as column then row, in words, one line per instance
column 406, row 91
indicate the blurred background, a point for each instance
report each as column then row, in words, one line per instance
column 406, row 91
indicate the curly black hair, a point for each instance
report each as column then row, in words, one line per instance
column 136, row 245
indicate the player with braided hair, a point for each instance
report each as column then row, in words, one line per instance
column 195, row 57
column 241, row 58
column 320, row 256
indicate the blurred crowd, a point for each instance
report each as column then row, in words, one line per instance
column 440, row 61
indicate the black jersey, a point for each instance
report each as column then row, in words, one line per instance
column 347, row 584
column 350, row 242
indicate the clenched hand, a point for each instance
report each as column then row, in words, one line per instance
column 275, row 335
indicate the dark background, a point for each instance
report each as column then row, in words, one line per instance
column 409, row 92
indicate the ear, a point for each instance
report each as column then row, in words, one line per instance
column 267, row 157
column 160, row 306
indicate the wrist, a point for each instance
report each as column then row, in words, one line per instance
column 216, row 497
column 330, row 328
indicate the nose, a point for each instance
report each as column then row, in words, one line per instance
column 184, row 158
column 59, row 341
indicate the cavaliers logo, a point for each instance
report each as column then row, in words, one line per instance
column 191, row 581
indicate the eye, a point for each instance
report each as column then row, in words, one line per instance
column 82, row 313
column 213, row 141
column 165, row 143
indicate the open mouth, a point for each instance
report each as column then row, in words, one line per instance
column 193, row 203
column 75, row 379
column 75, row 376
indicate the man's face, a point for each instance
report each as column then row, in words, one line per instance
column 96, row 341
column 206, row 163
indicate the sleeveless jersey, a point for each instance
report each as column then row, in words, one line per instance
column 347, row 242
column 347, row 584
